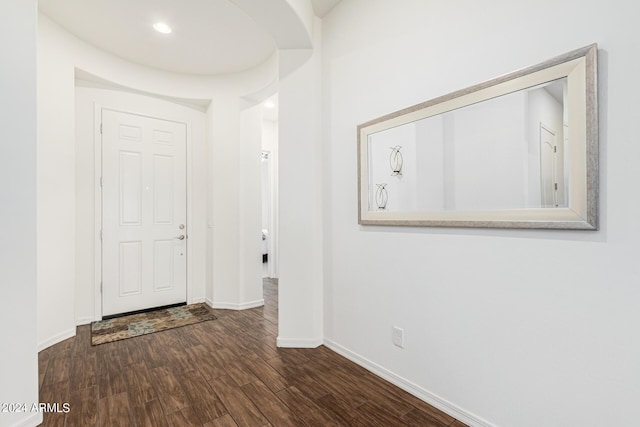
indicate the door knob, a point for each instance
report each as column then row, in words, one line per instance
column 181, row 237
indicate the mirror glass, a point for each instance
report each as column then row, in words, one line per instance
column 519, row 151
column 504, row 153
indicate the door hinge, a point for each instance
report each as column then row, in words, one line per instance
column 555, row 149
column 556, row 186
column 100, row 181
column 100, row 287
column 100, row 128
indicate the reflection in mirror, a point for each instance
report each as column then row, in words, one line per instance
column 504, row 153
column 517, row 151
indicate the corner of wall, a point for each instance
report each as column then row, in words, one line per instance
column 300, row 178
column 18, row 198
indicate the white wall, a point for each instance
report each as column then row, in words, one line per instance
column 86, row 99
column 250, row 168
column 300, row 170
column 18, row 357
column 56, row 164
column 235, row 274
column 514, row 327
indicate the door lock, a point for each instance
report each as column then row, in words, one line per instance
column 181, row 226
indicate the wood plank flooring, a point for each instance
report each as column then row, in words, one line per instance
column 222, row 373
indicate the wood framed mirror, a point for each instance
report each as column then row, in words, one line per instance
column 517, row 151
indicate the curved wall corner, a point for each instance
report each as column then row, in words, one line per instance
column 290, row 22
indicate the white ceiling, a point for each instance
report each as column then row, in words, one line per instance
column 209, row 36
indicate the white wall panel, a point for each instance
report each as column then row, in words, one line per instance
column 520, row 328
column 300, row 180
column 56, row 185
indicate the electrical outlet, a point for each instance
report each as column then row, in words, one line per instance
column 398, row 337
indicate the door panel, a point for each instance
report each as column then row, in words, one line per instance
column 144, row 207
column 130, row 180
column 130, row 268
column 163, row 265
column 163, row 189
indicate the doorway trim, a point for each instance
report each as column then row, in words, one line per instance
column 272, row 239
column 97, row 145
column 544, row 126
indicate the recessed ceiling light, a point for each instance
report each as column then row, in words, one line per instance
column 161, row 27
column 269, row 104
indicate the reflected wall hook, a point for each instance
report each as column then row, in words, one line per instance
column 395, row 160
column 381, row 196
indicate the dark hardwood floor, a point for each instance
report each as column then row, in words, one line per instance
column 225, row 372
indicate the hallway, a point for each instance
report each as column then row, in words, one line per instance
column 224, row 372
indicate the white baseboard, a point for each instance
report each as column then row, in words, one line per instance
column 419, row 392
column 84, row 321
column 57, row 338
column 235, row 306
column 197, row 300
column 32, row 420
column 299, row 343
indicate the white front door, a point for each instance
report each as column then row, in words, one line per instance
column 144, row 213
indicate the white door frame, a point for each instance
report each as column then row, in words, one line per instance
column 554, row 167
column 273, row 217
column 97, row 144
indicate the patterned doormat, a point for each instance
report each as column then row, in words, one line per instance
column 120, row 328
